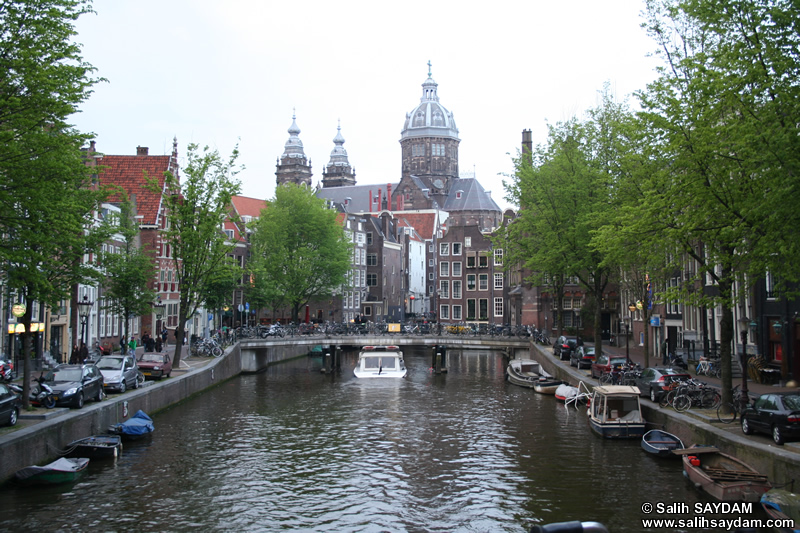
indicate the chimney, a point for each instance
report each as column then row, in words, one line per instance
column 141, row 150
column 389, row 196
column 527, row 145
column 370, row 202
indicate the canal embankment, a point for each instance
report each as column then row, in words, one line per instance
column 780, row 463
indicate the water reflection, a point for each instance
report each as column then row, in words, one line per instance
column 294, row 449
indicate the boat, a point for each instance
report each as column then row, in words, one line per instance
column 61, row 470
column 661, row 444
column 547, row 385
column 571, row 395
column 136, row 427
column 782, row 505
column 95, row 447
column 380, row 362
column 528, row 373
column 723, row 476
column 615, row 412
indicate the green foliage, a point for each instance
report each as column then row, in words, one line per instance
column 196, row 209
column 300, row 251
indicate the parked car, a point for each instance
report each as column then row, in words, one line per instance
column 10, row 405
column 119, row 372
column 775, row 414
column 74, row 384
column 582, row 357
column 155, row 365
column 564, row 346
column 656, row 381
column 604, row 363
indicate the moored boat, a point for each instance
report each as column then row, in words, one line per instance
column 661, row 444
column 95, row 447
column 61, row 470
column 136, row 427
column 547, row 385
column 572, row 395
column 525, row 373
column 380, row 362
column 723, row 476
column 782, row 505
column 615, row 412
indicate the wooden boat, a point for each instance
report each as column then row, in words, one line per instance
column 615, row 412
column 62, row 470
column 136, row 427
column 528, row 373
column 782, row 505
column 547, row 386
column 723, row 476
column 661, row 444
column 95, row 447
column 380, row 362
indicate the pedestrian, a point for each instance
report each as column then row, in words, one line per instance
column 664, row 350
column 73, row 358
column 158, row 344
column 132, row 346
column 83, row 354
column 164, row 336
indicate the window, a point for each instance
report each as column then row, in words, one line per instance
column 567, row 304
column 444, row 289
column 372, row 260
column 471, row 282
column 483, row 261
column 229, row 233
column 372, row 280
column 498, row 307
column 470, row 261
column 471, row 309
column 417, row 150
column 444, row 312
column 457, row 289
column 498, row 257
column 483, row 282
column 456, row 312
column 468, row 241
column 444, row 268
column 576, row 303
column 457, row 269
column 444, row 248
column 498, row 281
column 369, row 237
column 431, row 275
column 456, row 248
column 483, row 309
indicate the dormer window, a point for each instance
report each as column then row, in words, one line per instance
column 459, row 194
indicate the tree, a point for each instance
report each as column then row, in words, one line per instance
column 47, row 197
column 196, row 209
column 300, row 250
column 128, row 272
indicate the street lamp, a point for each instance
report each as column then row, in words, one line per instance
column 744, row 323
column 158, row 307
column 84, row 308
column 632, row 309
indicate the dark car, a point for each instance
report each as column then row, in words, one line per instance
column 155, row 365
column 775, row 414
column 563, row 347
column 119, row 372
column 582, row 357
column 604, row 363
column 74, row 384
column 656, row 381
column 10, row 404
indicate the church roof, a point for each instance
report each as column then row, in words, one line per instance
column 467, row 194
column 429, row 118
column 356, row 198
column 338, row 154
column 293, row 146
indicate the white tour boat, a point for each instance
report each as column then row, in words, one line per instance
column 380, row 362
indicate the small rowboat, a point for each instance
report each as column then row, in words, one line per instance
column 59, row 471
column 661, row 444
column 723, row 476
column 781, row 504
column 547, row 386
column 95, row 447
column 136, row 427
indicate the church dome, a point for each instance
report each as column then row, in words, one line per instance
column 429, row 118
column 293, row 146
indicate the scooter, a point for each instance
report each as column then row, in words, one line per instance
column 41, row 394
column 7, row 374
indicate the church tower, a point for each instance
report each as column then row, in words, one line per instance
column 429, row 143
column 293, row 166
column 338, row 173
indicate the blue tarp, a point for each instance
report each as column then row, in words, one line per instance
column 138, row 424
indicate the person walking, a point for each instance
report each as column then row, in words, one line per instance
column 164, row 336
column 132, row 346
column 83, row 354
column 73, row 357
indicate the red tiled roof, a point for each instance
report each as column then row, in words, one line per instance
column 423, row 223
column 245, row 206
column 128, row 172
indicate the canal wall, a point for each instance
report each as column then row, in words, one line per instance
column 780, row 463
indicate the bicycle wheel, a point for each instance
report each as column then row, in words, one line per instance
column 607, row 379
column 726, row 413
column 710, row 399
column 682, row 403
column 216, row 351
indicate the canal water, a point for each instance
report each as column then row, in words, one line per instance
column 295, row 450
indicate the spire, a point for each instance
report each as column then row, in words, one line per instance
column 293, row 146
column 338, row 154
column 338, row 172
column 429, row 88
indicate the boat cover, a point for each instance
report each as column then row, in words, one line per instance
column 59, row 465
column 138, row 424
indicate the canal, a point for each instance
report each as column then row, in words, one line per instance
column 293, row 449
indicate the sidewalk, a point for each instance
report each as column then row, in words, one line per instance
column 637, row 356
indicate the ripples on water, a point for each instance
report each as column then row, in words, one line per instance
column 292, row 449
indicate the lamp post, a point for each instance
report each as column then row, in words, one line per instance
column 84, row 308
column 744, row 323
column 158, row 307
column 632, row 309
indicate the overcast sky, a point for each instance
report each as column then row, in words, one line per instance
column 221, row 72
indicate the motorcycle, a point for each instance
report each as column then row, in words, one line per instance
column 41, row 394
column 273, row 330
column 7, row 373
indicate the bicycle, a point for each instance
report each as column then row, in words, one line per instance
column 728, row 412
column 695, row 394
column 708, row 367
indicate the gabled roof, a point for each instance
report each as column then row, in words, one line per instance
column 131, row 173
column 424, row 222
column 473, row 197
column 246, row 206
